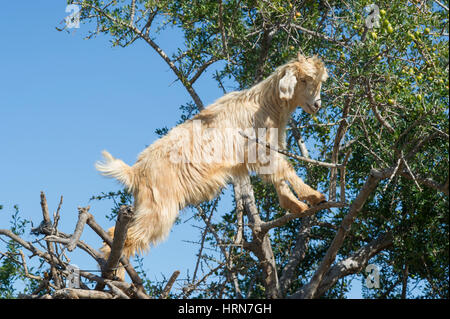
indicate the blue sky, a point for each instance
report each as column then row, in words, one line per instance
column 63, row 99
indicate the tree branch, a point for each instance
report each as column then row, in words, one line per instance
column 50, row 248
column 161, row 53
column 289, row 154
column 297, row 255
column 342, row 129
column 82, row 218
column 71, row 293
column 355, row 263
column 136, row 279
column 429, row 182
column 120, row 234
column 310, row 290
column 166, row 290
column 260, row 244
column 202, row 69
column 266, row 226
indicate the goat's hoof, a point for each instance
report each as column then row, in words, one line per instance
column 301, row 207
column 317, row 200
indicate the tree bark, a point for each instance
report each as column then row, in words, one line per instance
column 260, row 244
column 310, row 290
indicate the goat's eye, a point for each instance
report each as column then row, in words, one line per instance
column 303, row 81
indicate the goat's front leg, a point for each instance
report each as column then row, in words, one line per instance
column 281, row 170
column 288, row 200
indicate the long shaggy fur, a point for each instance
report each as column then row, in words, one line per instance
column 173, row 172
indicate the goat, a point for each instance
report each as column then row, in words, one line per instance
column 177, row 170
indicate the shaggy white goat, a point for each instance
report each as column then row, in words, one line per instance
column 194, row 160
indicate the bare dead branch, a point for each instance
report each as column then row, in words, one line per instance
column 27, row 245
column 25, row 267
column 168, row 287
column 82, row 218
column 115, row 290
column 71, row 293
column 428, row 182
column 284, row 152
column 59, row 266
column 56, row 216
column 44, row 207
column 260, row 245
column 129, row 289
column 65, row 240
column 343, row 172
column 50, row 248
column 120, row 234
column 310, row 290
column 134, row 276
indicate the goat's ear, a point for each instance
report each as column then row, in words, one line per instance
column 287, row 85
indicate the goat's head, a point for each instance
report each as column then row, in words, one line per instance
column 301, row 81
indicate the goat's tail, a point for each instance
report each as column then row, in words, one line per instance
column 116, row 168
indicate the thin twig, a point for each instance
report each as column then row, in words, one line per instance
column 411, row 174
column 116, row 290
column 373, row 106
column 441, row 5
column 56, row 216
column 266, row 226
column 50, row 248
column 289, row 154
